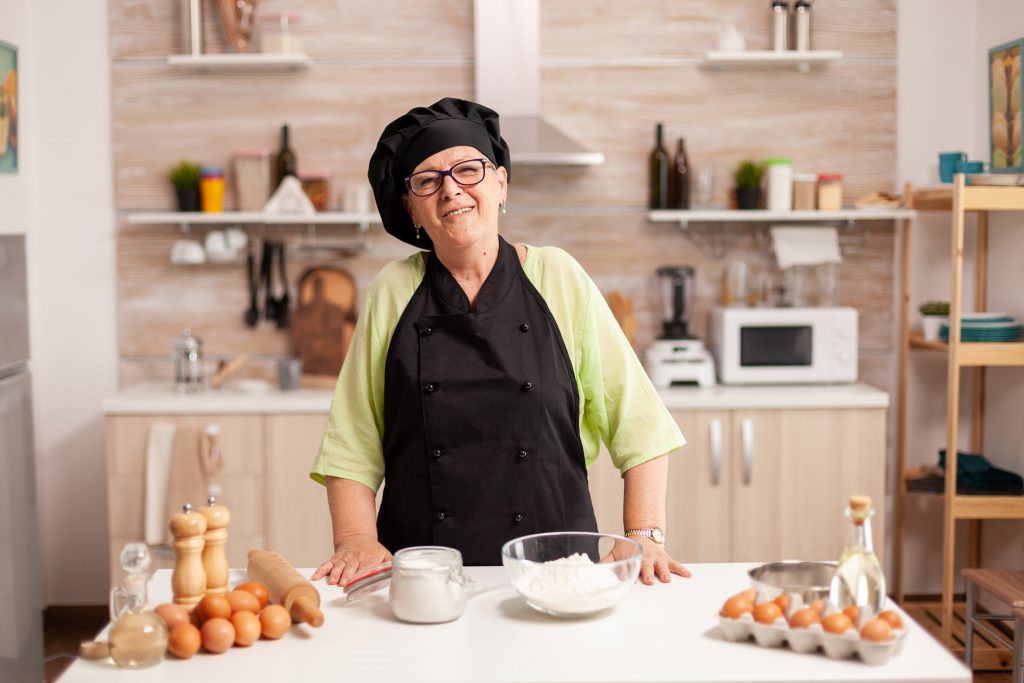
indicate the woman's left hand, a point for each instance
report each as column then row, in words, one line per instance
column 656, row 562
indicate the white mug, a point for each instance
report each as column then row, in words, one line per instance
column 187, row 252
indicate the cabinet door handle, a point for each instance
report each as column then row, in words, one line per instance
column 209, row 450
column 747, row 438
column 715, row 428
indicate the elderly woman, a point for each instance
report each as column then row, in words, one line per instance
column 482, row 376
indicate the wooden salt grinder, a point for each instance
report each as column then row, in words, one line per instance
column 215, row 558
column 188, row 581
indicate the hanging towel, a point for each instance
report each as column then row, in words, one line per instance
column 194, row 462
column 805, row 246
column 159, row 455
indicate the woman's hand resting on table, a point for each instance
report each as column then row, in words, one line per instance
column 656, row 562
column 352, row 555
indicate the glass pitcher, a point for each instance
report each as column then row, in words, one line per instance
column 138, row 636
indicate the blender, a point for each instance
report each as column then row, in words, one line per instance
column 677, row 358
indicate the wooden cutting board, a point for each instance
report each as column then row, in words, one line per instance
column 324, row 320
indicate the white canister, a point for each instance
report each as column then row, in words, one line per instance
column 427, row 585
column 780, row 184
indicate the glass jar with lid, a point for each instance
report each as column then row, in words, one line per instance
column 830, row 191
column 428, row 585
column 805, row 191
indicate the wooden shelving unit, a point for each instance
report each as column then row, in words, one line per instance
column 958, row 200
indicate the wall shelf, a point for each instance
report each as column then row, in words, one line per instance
column 684, row 217
column 248, row 218
column 257, row 61
column 802, row 60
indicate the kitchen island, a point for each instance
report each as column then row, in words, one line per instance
column 661, row 633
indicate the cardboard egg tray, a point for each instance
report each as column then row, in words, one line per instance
column 809, row 640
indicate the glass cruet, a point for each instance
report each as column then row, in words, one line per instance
column 138, row 636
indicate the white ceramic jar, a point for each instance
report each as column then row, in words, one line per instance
column 427, row 585
column 780, row 184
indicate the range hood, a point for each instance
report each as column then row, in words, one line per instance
column 507, row 53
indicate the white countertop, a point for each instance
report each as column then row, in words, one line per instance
column 159, row 399
column 660, row 633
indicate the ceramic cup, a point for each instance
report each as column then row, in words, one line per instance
column 187, row 252
column 948, row 162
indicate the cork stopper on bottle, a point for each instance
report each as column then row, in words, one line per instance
column 860, row 503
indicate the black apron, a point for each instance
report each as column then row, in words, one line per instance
column 481, row 419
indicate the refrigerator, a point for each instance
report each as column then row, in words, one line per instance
column 21, row 605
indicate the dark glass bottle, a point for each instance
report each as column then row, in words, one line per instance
column 658, row 197
column 285, row 164
column 679, row 181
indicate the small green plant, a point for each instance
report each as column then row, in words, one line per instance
column 748, row 174
column 934, row 308
column 184, row 176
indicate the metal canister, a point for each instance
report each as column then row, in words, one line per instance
column 192, row 27
column 188, row 362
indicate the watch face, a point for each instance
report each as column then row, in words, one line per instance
column 657, row 535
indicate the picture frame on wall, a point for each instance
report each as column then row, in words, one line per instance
column 8, row 108
column 1005, row 86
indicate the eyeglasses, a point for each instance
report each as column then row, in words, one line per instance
column 466, row 173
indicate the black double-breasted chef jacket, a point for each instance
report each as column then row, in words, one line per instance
column 481, row 418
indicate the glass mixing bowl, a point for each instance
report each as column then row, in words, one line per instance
column 572, row 574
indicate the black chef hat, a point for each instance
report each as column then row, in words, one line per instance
column 421, row 133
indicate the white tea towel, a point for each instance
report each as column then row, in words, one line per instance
column 159, row 455
column 805, row 245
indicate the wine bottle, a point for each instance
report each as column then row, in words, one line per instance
column 658, row 198
column 679, row 183
column 285, row 163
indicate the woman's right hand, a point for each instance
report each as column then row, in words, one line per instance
column 351, row 555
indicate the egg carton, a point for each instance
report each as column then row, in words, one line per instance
column 812, row 638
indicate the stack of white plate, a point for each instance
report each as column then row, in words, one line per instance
column 985, row 327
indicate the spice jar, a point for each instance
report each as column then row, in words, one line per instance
column 427, row 584
column 830, row 191
column 805, row 191
column 211, row 189
column 317, row 188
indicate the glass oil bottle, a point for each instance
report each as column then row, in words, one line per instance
column 138, row 636
column 858, row 579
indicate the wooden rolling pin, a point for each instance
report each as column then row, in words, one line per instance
column 286, row 586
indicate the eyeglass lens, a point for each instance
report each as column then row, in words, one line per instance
column 465, row 173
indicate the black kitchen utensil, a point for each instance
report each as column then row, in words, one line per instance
column 283, row 303
column 252, row 315
column 266, row 277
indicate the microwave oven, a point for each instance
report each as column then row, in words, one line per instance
column 784, row 345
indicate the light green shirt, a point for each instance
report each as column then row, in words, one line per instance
column 618, row 403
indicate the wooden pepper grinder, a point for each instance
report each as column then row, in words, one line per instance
column 215, row 557
column 188, row 581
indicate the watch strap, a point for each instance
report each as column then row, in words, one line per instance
column 649, row 534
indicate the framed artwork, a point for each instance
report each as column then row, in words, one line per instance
column 1004, row 98
column 8, row 108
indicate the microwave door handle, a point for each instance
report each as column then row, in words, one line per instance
column 715, row 429
column 747, row 438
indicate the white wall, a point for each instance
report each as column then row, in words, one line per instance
column 63, row 199
column 942, row 107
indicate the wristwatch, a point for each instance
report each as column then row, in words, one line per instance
column 655, row 534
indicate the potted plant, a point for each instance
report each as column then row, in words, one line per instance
column 933, row 314
column 748, row 177
column 185, row 178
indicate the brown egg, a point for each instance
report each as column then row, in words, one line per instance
column 804, row 618
column 853, row 612
column 892, row 617
column 247, row 628
column 877, row 630
column 242, row 601
column 818, row 606
column 218, row 635
column 767, row 612
column 275, row 621
column 736, row 606
column 750, row 594
column 213, row 607
column 783, row 602
column 172, row 614
column 257, row 589
column 837, row 623
column 184, row 641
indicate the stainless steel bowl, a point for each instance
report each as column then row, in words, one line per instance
column 810, row 580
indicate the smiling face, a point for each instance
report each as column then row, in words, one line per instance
column 457, row 216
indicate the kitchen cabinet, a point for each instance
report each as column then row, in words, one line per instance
column 761, row 485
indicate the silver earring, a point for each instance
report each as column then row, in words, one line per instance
column 418, row 228
column 502, row 207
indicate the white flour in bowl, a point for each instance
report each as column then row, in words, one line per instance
column 571, row 585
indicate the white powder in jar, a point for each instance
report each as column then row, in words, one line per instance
column 424, row 592
column 570, row 585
